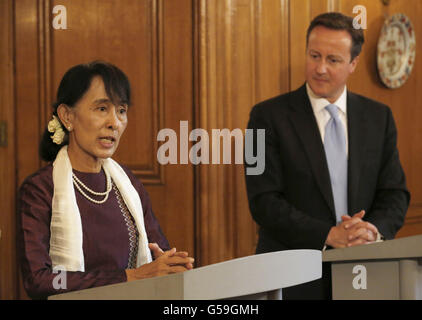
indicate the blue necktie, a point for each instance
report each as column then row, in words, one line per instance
column 335, row 150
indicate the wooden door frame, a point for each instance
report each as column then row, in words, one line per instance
column 8, row 267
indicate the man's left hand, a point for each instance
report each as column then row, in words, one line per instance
column 360, row 232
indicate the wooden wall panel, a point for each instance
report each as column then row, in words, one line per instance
column 301, row 13
column 300, row 16
column 239, row 85
column 28, row 87
column 242, row 59
column 173, row 201
column 271, row 33
column 405, row 101
column 30, row 96
column 212, row 218
column 8, row 279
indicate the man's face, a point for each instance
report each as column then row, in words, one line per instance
column 328, row 62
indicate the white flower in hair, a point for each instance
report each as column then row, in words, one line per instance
column 55, row 126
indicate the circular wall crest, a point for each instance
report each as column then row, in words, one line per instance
column 396, row 51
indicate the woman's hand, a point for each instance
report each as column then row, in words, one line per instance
column 157, row 252
column 166, row 262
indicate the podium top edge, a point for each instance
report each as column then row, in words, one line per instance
column 250, row 258
column 401, row 248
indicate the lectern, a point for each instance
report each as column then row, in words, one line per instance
column 388, row 270
column 261, row 276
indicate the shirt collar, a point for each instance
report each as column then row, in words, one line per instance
column 318, row 103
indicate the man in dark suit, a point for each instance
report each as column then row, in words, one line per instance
column 332, row 174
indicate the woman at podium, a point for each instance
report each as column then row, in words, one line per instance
column 85, row 220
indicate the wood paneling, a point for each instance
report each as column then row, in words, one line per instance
column 173, row 202
column 8, row 267
column 405, row 102
column 242, row 59
column 301, row 14
column 27, row 84
column 272, row 57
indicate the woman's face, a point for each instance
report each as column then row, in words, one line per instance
column 96, row 127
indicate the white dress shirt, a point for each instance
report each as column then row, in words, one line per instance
column 322, row 115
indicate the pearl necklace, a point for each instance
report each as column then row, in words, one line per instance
column 78, row 183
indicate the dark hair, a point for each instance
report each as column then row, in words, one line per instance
column 74, row 84
column 338, row 21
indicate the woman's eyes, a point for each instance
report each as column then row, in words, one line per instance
column 120, row 110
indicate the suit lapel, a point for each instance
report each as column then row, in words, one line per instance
column 303, row 119
column 357, row 131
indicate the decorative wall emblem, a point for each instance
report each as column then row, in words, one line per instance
column 396, row 51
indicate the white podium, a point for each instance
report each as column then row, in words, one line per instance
column 388, row 270
column 257, row 277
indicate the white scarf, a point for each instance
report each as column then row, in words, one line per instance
column 66, row 228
